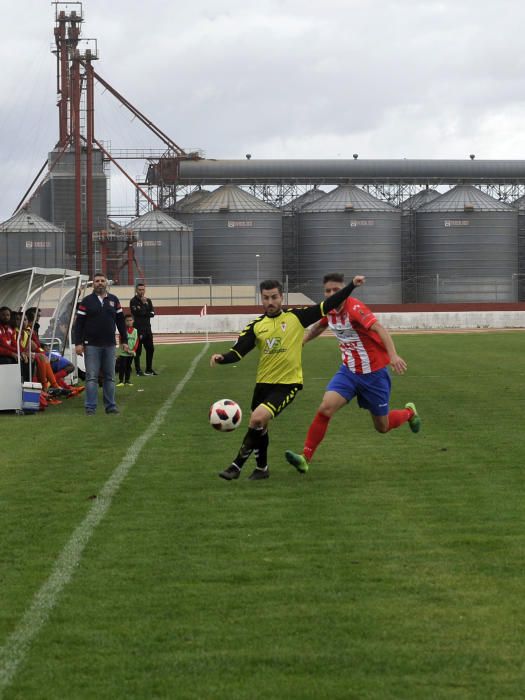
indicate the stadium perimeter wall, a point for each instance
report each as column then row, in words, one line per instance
column 395, row 317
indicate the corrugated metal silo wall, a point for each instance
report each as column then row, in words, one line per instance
column 366, row 243
column 166, row 257
column 40, row 203
column 466, row 256
column 225, row 245
column 408, row 256
column 290, row 248
column 32, row 249
column 62, row 199
column 521, row 255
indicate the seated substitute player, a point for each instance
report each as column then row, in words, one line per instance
column 367, row 349
column 278, row 335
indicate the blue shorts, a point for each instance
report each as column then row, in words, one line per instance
column 58, row 362
column 372, row 390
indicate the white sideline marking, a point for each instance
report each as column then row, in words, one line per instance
column 17, row 644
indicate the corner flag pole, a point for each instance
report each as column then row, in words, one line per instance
column 204, row 312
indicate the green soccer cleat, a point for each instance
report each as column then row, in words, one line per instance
column 297, row 461
column 415, row 421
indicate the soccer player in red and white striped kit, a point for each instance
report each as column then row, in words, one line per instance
column 367, row 349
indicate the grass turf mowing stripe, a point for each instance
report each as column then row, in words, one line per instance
column 17, row 645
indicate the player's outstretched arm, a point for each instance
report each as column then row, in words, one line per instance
column 315, row 313
column 396, row 362
column 338, row 298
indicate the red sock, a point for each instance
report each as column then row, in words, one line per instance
column 397, row 418
column 315, row 434
column 59, row 376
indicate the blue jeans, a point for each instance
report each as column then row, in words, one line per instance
column 96, row 359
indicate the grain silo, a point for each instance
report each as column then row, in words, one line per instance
column 164, row 248
column 55, row 198
column 408, row 241
column 28, row 240
column 191, row 199
column 237, row 238
column 520, row 206
column 350, row 231
column 467, row 248
column 291, row 233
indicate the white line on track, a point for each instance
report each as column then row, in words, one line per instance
column 16, row 647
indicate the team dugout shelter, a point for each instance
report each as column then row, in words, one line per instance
column 55, row 292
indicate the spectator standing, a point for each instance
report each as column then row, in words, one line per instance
column 99, row 314
column 142, row 311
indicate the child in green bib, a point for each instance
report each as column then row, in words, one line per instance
column 126, row 358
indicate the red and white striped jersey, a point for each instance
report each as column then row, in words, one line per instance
column 362, row 350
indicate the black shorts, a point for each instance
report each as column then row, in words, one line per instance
column 274, row 397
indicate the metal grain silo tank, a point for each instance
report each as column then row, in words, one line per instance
column 27, row 240
column 164, row 249
column 291, row 233
column 55, row 199
column 191, row 199
column 408, row 241
column 237, row 238
column 520, row 206
column 350, row 231
column 467, row 248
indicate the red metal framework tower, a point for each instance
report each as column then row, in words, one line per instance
column 75, row 79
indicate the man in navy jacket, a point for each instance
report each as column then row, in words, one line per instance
column 98, row 316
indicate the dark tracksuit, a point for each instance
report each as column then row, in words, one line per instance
column 142, row 311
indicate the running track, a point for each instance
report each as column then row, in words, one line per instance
column 182, row 338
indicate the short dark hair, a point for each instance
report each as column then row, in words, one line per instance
column 271, row 284
column 5, row 308
column 99, row 274
column 139, row 284
column 32, row 312
column 128, row 316
column 334, row 277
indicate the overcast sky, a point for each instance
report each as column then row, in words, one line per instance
column 275, row 78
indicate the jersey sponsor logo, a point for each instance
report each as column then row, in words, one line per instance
column 273, row 346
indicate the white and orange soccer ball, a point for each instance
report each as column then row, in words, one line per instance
column 225, row 415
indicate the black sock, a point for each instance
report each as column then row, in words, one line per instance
column 249, row 444
column 261, row 451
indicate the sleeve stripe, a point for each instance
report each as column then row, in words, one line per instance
column 81, row 313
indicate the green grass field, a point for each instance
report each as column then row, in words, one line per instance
column 394, row 569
